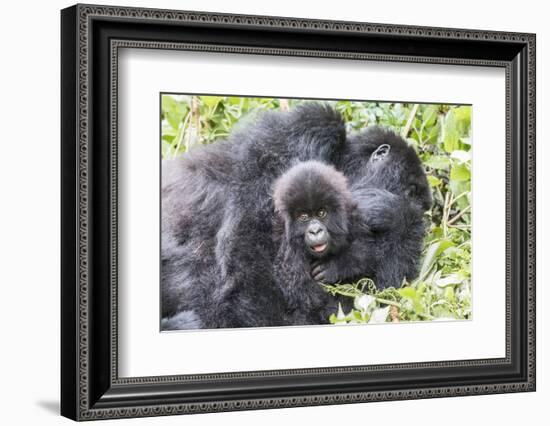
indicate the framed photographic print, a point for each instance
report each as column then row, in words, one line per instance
column 263, row 212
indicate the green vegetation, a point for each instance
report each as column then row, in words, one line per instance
column 441, row 136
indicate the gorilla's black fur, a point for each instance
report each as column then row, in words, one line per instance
column 217, row 212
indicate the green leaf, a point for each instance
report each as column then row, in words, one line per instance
column 449, row 132
column 173, row 110
column 438, row 162
column 168, row 103
column 414, row 298
column 166, row 149
column 460, row 172
column 450, row 295
column 432, row 134
column 211, row 101
column 433, row 181
column 407, row 292
column 174, row 119
column 463, row 116
column 429, row 261
column 449, row 280
column 459, row 187
column 429, row 115
column 234, row 100
column 434, row 250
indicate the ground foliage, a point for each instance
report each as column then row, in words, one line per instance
column 441, row 136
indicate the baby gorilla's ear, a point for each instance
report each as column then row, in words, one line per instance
column 380, row 153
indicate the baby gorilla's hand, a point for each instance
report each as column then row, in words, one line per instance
column 323, row 272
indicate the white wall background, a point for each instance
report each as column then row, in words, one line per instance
column 29, row 211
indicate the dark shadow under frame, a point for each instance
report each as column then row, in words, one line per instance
column 91, row 37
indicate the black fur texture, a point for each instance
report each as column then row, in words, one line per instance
column 218, row 213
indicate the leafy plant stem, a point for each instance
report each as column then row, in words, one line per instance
column 388, row 302
column 459, row 215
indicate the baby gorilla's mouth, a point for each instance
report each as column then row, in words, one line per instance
column 319, row 248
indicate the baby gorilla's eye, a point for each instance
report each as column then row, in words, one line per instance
column 322, row 213
column 303, row 217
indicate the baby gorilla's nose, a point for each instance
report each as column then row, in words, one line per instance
column 316, row 238
column 315, row 229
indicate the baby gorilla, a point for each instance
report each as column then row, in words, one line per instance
column 313, row 207
column 329, row 233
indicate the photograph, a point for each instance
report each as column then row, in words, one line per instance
column 306, row 212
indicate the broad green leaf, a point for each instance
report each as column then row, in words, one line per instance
column 462, row 116
column 450, row 133
column 429, row 260
column 168, row 130
column 450, row 295
column 174, row 120
column 429, row 115
column 434, row 250
column 211, row 101
column 432, row 134
column 168, row 103
column 460, row 172
column 433, row 181
column 234, row 100
column 459, row 187
column 437, row 231
column 407, row 292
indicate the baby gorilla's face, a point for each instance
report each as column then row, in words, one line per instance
column 316, row 234
column 313, row 200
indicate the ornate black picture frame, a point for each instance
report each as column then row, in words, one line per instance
column 90, row 385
